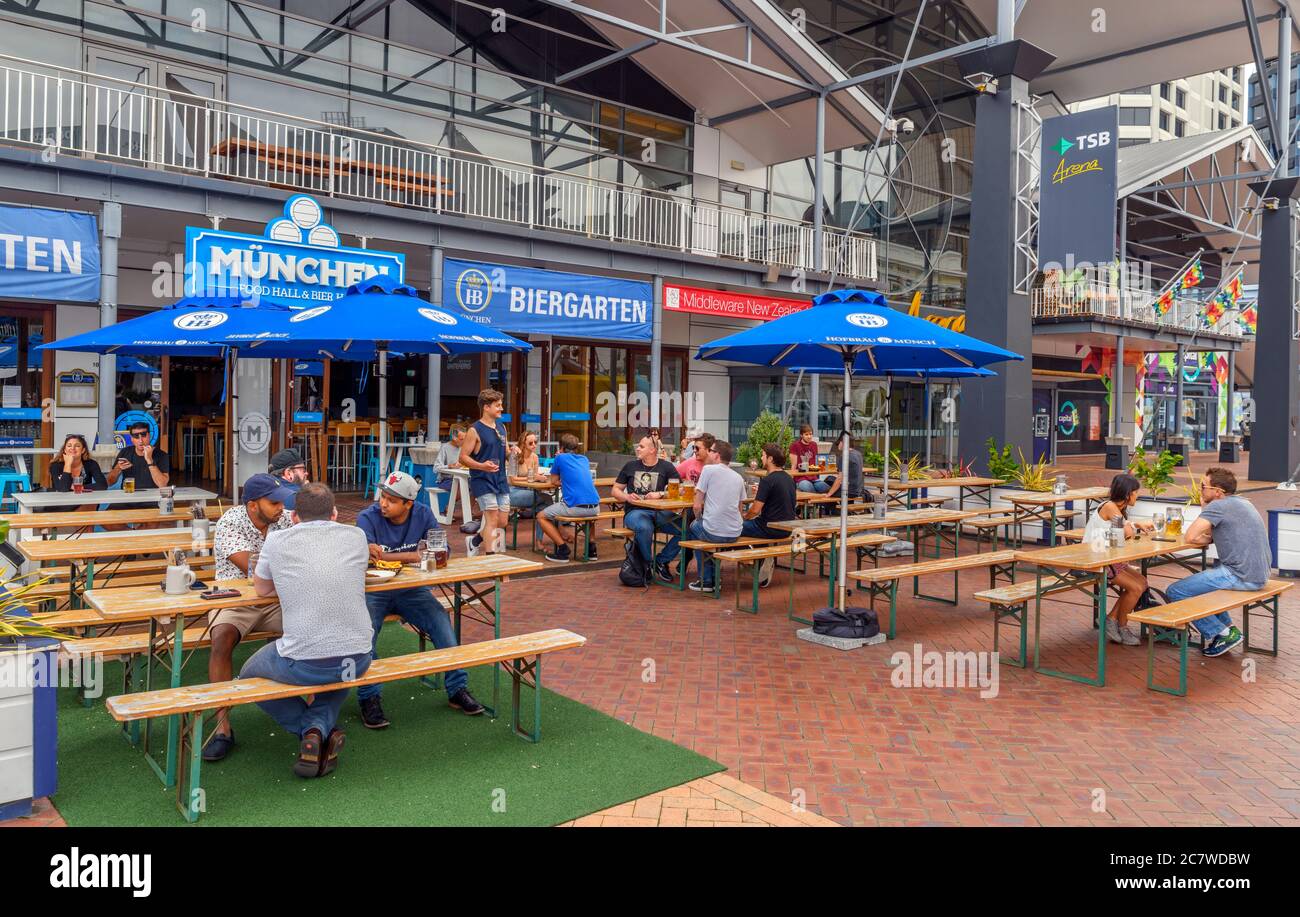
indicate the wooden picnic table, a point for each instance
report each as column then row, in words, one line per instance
column 34, row 502
column 1078, row 567
column 920, row 522
column 1029, row 505
column 94, row 548
column 80, row 520
column 149, row 603
column 324, row 165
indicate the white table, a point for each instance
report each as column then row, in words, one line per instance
column 459, row 486
column 19, row 455
column 34, row 502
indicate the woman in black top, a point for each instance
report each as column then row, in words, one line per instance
column 74, row 459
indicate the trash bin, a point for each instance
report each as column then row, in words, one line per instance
column 1181, row 445
column 1117, row 452
column 1230, row 448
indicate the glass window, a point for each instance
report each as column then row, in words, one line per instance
column 571, row 405
column 609, row 373
column 22, row 375
column 1164, row 120
column 1164, row 91
column 1180, row 127
column 1180, row 98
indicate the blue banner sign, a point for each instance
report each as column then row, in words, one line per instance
column 14, row 442
column 20, row 413
column 530, row 300
column 48, row 254
column 570, row 415
column 532, row 418
column 297, row 259
column 308, row 416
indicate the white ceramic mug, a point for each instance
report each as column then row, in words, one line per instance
column 178, row 579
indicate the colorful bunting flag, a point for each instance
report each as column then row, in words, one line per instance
column 1214, row 311
column 1192, row 276
column 1165, row 302
column 1249, row 319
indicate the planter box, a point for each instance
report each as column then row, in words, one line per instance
column 1284, row 540
column 28, row 725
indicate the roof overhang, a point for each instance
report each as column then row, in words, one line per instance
column 1142, row 43
column 769, row 105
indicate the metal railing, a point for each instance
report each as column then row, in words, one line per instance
column 106, row 118
column 1098, row 299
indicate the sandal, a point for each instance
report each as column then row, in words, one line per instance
column 308, row 763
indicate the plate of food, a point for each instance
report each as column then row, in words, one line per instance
column 384, row 569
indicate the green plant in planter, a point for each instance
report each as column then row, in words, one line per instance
column 1155, row 476
column 1192, row 489
column 1033, row 475
column 1001, row 464
column 768, row 428
column 916, row 468
column 873, row 459
column 15, row 627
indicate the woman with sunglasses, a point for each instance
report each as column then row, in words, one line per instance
column 524, row 499
column 1131, row 584
column 72, row 463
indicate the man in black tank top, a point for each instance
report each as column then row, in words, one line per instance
column 484, row 453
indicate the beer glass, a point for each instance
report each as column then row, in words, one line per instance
column 674, row 488
column 688, row 490
column 438, row 545
column 252, row 564
column 128, row 485
column 1174, row 522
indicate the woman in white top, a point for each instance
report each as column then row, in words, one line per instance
column 1131, row 584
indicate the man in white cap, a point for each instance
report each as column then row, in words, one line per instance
column 394, row 527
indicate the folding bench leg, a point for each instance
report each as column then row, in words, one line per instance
column 190, row 796
column 1267, row 607
column 523, row 672
column 1178, row 637
column 1014, row 613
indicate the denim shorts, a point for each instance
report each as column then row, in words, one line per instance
column 564, row 509
column 489, row 502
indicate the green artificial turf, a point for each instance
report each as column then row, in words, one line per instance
column 432, row 766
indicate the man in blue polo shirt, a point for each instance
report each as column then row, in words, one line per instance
column 578, row 497
column 394, row 528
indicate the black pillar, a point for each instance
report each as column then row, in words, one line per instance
column 1275, row 439
column 1000, row 406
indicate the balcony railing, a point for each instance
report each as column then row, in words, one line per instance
column 1096, row 299
column 105, row 118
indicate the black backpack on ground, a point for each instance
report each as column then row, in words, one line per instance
column 634, row 571
column 1152, row 598
column 854, row 623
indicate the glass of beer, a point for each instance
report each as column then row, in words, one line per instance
column 688, row 491
column 1174, row 522
column 438, row 546
column 78, row 483
column 128, row 485
column 252, row 564
column 674, row 488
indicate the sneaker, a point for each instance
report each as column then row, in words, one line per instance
column 309, row 754
column 372, row 713
column 1112, row 631
column 1129, row 637
column 560, row 555
column 218, row 745
column 700, row 586
column 473, row 544
column 765, row 570
column 1223, row 642
column 664, row 574
column 463, row 701
column 591, row 551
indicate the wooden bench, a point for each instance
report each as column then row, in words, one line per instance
column 1010, row 603
column 586, row 529
column 520, row 656
column 755, row 555
column 713, row 548
column 882, row 581
column 65, row 572
column 1169, row 624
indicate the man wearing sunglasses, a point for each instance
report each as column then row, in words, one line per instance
column 288, row 466
column 141, row 461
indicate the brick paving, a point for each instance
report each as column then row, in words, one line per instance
column 831, row 730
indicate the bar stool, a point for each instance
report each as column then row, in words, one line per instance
column 12, row 482
column 342, row 456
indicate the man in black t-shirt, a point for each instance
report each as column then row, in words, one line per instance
column 141, row 461
column 646, row 478
column 776, row 501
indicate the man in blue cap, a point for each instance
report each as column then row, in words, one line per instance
column 394, row 527
column 240, row 536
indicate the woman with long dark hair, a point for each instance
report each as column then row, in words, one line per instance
column 1124, row 490
column 74, row 461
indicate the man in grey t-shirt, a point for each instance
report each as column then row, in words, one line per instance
column 318, row 570
column 1237, row 532
column 854, row 474
column 719, row 507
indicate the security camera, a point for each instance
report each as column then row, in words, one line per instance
column 899, row 125
column 983, row 82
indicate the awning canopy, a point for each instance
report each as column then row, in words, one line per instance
column 769, row 108
column 1142, row 43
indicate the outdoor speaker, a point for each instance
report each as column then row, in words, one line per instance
column 773, row 273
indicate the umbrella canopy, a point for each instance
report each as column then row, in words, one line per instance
column 376, row 315
column 857, row 324
column 193, row 326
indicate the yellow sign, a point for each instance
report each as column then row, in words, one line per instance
column 1063, row 171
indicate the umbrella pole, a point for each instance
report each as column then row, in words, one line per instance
column 383, row 416
column 232, row 429
column 844, row 489
column 885, row 450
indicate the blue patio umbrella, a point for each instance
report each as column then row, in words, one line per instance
column 374, row 318
column 855, row 331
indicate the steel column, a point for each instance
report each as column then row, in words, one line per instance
column 1178, row 390
column 110, row 230
column 819, row 186
column 657, row 351
column 434, row 407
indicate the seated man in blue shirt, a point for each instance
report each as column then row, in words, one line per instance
column 394, row 528
column 578, row 497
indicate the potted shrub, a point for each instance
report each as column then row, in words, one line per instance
column 767, row 428
column 1155, row 475
column 28, row 668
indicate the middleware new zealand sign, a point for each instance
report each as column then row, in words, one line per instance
column 1077, row 186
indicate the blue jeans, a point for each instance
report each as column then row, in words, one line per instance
column 645, row 523
column 294, row 713
column 812, row 486
column 699, row 533
column 755, row 529
column 522, row 497
column 417, row 607
column 1219, row 577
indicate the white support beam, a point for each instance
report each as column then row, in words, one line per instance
column 913, row 63
column 605, row 61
